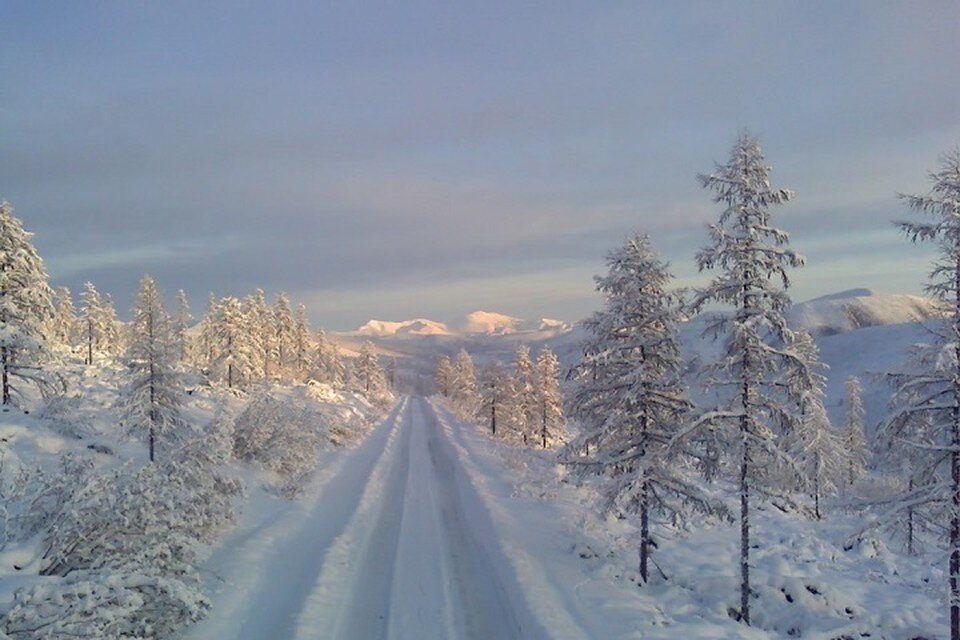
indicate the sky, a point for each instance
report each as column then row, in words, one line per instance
column 425, row 159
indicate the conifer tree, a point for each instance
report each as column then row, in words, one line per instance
column 284, row 336
column 114, row 335
column 208, row 326
column 463, row 387
column 234, row 358
column 154, row 399
column 64, row 325
column 301, row 343
column 854, row 438
column 524, row 402
column 445, row 374
column 92, row 320
column 261, row 336
column 180, row 326
column 493, row 390
column 367, row 374
column 550, row 399
column 25, row 309
column 753, row 258
column 337, row 370
column 926, row 416
column 628, row 395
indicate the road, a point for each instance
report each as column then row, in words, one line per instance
column 394, row 543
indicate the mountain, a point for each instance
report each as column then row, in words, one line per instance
column 859, row 308
column 475, row 324
column 418, row 327
column 488, row 323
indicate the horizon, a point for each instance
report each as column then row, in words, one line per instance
column 381, row 162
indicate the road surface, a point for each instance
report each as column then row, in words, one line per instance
column 394, row 542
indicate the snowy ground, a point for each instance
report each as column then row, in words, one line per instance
column 429, row 529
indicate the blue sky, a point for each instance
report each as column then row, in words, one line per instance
column 409, row 159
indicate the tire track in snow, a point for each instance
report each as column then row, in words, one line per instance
column 549, row 605
column 351, row 598
column 265, row 595
column 422, row 602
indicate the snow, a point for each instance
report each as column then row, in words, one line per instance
column 489, row 323
column 418, row 327
column 858, row 308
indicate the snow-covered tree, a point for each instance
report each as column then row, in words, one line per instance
column 91, row 307
column 813, row 445
column 550, row 399
column 444, row 377
column 367, row 375
column 64, row 326
column 234, row 357
column 155, row 396
column 493, row 385
column 854, row 438
column 204, row 355
column 301, row 343
column 629, row 398
column 337, row 371
column 261, row 336
column 463, row 386
column 521, row 408
column 26, row 307
column 926, row 417
column 753, row 258
column 284, row 336
column 180, row 326
column 114, row 334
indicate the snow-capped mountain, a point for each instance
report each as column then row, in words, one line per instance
column 488, row 323
column 417, row 327
column 858, row 308
column 475, row 325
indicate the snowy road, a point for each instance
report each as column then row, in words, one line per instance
column 394, row 542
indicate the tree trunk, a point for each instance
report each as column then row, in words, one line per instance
column 153, row 380
column 493, row 416
column 910, row 548
column 816, row 487
column 5, row 363
column 744, row 536
column 543, row 430
column 955, row 474
column 89, row 341
column 644, row 531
